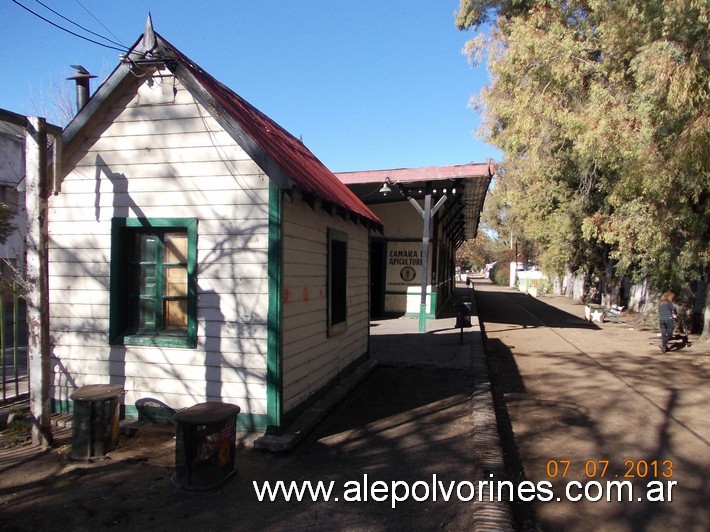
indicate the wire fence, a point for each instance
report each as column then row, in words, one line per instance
column 14, row 369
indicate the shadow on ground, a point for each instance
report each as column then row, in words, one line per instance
column 597, row 396
column 401, row 424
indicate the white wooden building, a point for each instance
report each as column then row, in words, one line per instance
column 199, row 252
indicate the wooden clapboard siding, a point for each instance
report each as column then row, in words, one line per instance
column 173, row 140
column 98, row 229
column 400, row 219
column 64, row 313
column 311, row 358
column 222, row 285
column 186, row 183
column 222, row 202
column 133, row 159
column 198, row 172
column 89, row 289
column 159, row 154
column 79, row 325
column 192, row 357
column 216, row 372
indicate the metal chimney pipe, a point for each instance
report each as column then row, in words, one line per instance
column 81, row 78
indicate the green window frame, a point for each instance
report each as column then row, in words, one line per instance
column 337, row 282
column 153, row 282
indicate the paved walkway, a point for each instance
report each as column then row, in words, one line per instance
column 599, row 402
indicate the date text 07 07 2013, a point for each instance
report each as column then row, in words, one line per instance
column 561, row 468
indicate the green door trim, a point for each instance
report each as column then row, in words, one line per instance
column 274, row 377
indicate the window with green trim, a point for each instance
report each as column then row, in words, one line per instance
column 337, row 281
column 153, row 282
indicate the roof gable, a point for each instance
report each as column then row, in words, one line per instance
column 284, row 158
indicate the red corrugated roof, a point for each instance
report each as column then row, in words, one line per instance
column 306, row 171
column 427, row 173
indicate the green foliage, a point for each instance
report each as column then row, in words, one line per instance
column 475, row 254
column 500, row 274
column 601, row 110
column 17, row 432
column 473, row 13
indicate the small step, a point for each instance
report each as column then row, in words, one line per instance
column 63, row 421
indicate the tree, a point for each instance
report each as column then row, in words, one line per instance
column 475, row 254
column 601, row 110
column 57, row 103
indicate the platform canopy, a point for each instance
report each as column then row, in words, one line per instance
column 466, row 186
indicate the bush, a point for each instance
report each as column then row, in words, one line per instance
column 500, row 274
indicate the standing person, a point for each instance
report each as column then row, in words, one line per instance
column 666, row 317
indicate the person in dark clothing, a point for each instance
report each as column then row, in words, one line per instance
column 666, row 317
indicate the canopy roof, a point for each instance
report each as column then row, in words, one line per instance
column 471, row 182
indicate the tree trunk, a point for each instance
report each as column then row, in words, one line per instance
column 705, row 332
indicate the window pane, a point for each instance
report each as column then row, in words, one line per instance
column 146, row 314
column 146, row 279
column 152, row 297
column 175, row 314
column 143, row 281
column 145, row 248
column 338, row 281
column 175, row 281
column 175, row 248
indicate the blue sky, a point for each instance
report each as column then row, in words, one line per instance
column 368, row 84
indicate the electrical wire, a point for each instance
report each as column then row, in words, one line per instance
column 102, row 25
column 79, row 25
column 123, row 50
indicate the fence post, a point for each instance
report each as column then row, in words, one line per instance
column 36, row 268
column 2, row 338
column 15, row 330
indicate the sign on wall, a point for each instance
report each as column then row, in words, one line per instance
column 404, row 265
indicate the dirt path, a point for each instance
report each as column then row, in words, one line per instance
column 604, row 403
column 401, row 425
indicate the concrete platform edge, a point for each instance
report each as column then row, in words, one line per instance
column 487, row 449
column 309, row 420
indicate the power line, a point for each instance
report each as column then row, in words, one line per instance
column 102, row 24
column 79, row 25
column 69, row 31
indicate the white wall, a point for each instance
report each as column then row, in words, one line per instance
column 159, row 154
column 403, row 223
column 310, row 357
